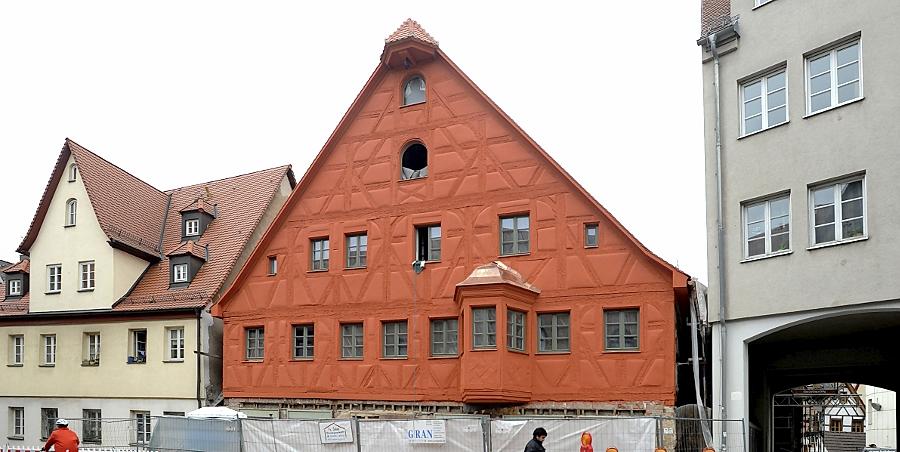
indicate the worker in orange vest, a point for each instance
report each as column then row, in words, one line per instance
column 64, row 439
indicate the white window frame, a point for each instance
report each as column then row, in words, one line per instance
column 758, row 3
column 838, row 211
column 180, row 273
column 48, row 349
column 92, row 347
column 92, row 426
column 767, row 220
column 71, row 212
column 17, row 421
column 16, row 349
column 191, row 227
column 136, row 345
column 833, row 68
column 15, row 287
column 86, row 272
column 764, row 100
column 54, row 278
column 175, row 343
column 142, row 426
column 73, row 172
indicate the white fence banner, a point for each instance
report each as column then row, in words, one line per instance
column 456, row 434
column 625, row 434
column 336, row 432
column 279, row 435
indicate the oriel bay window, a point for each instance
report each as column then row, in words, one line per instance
column 515, row 330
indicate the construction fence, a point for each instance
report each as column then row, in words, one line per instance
column 450, row 433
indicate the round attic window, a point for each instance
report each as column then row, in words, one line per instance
column 414, row 162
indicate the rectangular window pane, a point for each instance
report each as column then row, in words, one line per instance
column 819, row 65
column 752, row 91
column 444, row 337
column 484, row 327
column 514, row 235
column 319, row 255
column 553, row 331
column 394, row 339
column 352, row 340
column 591, row 236
column 848, row 54
column 515, row 330
column 304, row 341
column 820, row 83
column 622, row 329
column 356, row 250
column 775, row 82
column 255, row 343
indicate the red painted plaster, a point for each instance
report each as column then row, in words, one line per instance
column 481, row 166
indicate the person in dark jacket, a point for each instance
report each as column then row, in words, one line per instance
column 537, row 442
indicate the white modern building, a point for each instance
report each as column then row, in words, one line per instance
column 881, row 416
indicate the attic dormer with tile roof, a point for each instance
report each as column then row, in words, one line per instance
column 80, row 260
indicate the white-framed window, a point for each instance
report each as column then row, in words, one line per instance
column 428, row 243
column 838, row 211
column 180, row 273
column 175, row 338
column 591, row 235
column 15, row 287
column 142, row 427
column 73, row 172
column 622, row 329
column 304, row 341
column 357, row 250
column 71, row 211
column 16, row 349
column 48, row 349
column 137, row 352
column 445, row 337
column 767, row 226
column 86, row 272
column 515, row 330
column 92, row 427
column 54, row 278
column 17, row 421
column 255, row 343
column 352, row 340
column 273, row 265
column 48, row 421
column 91, row 349
column 834, row 77
column 514, row 235
column 553, row 332
column 761, row 2
column 764, row 102
column 319, row 254
column 484, row 327
column 192, row 227
column 414, row 91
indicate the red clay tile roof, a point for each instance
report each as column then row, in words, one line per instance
column 240, row 203
column 411, row 29
column 129, row 210
column 189, row 247
column 16, row 307
column 202, row 205
column 22, row 266
column 712, row 13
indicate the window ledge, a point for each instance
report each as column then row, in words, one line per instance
column 443, row 356
column 90, row 365
column 15, row 438
column 393, row 358
column 15, row 365
column 414, row 104
column 86, row 290
column 554, row 353
column 411, row 179
column 46, row 365
column 253, row 361
column 521, row 352
column 68, row 226
column 834, row 107
column 635, row 350
column 350, row 359
column 173, row 360
column 302, row 359
column 355, row 268
column 485, row 349
column 766, row 256
column 514, row 254
column 764, row 129
column 324, row 270
column 836, row 243
column 56, row 292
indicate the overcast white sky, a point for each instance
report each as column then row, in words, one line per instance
column 183, row 92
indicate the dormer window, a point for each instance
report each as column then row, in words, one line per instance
column 71, row 211
column 414, row 162
column 73, row 172
column 180, row 273
column 15, row 287
column 192, row 227
column 414, row 91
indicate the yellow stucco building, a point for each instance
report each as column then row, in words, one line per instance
column 107, row 314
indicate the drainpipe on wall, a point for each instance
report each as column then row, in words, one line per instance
column 199, row 354
column 720, row 239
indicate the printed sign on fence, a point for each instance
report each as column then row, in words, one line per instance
column 335, row 432
column 432, row 431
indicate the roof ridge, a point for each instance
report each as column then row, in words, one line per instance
column 281, row 167
column 411, row 29
column 70, row 141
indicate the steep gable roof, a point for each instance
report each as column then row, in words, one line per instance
column 129, row 210
column 407, row 30
column 411, row 29
column 240, row 203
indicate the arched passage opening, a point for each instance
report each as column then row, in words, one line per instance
column 826, row 354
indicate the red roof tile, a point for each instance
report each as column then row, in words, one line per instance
column 712, row 14
column 16, row 307
column 240, row 203
column 189, row 247
column 129, row 210
column 202, row 205
column 22, row 266
column 411, row 29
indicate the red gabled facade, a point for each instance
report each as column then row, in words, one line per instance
column 480, row 168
